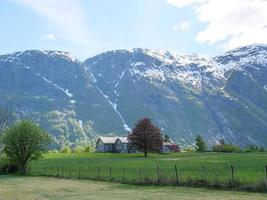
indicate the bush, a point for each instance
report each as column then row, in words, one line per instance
column 226, row 148
column 77, row 150
column 6, row 166
column 87, row 149
column 65, row 149
column 254, row 148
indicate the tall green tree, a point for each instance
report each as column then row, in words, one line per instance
column 24, row 142
column 3, row 119
column 200, row 144
column 146, row 137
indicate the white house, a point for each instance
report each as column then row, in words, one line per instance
column 112, row 144
column 121, row 145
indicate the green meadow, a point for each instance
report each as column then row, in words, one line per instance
column 191, row 168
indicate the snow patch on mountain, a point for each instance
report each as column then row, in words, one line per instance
column 120, row 77
column 66, row 91
column 16, row 56
column 113, row 104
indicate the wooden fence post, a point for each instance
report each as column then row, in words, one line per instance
column 70, row 172
column 79, row 175
column 110, row 175
column 176, row 175
column 57, row 171
column 63, row 172
column 139, row 175
column 98, row 173
column 52, row 171
column 89, row 171
column 158, row 174
column 123, row 174
column 204, row 174
column 233, row 176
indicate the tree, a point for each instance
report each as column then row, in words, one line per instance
column 166, row 138
column 24, row 142
column 200, row 144
column 3, row 119
column 146, row 137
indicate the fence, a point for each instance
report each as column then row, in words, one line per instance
column 222, row 177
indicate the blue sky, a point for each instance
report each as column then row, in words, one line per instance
column 89, row 27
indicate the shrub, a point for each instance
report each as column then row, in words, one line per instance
column 87, row 149
column 226, row 148
column 6, row 166
column 254, row 148
column 65, row 149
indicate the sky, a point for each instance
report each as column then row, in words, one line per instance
column 89, row 27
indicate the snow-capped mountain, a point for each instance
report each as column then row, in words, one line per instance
column 220, row 97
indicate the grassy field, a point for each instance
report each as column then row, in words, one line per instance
column 43, row 188
column 249, row 168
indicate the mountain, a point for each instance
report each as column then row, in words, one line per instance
column 184, row 95
column 54, row 89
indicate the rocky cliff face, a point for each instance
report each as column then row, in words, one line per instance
column 221, row 97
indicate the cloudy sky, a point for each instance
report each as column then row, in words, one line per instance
column 88, row 27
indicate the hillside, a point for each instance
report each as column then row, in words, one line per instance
column 220, row 97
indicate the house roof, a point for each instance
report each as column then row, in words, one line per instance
column 108, row 140
column 123, row 139
column 112, row 140
column 168, row 143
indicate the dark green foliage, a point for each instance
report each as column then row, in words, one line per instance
column 226, row 148
column 254, row 148
column 87, row 149
column 65, row 149
column 200, row 144
column 146, row 137
column 24, row 142
column 3, row 119
column 166, row 138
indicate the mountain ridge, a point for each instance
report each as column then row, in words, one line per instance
column 184, row 95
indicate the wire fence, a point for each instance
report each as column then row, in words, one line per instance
column 221, row 176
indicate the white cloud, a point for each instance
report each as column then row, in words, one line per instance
column 49, row 37
column 233, row 22
column 184, row 26
column 67, row 16
column 175, row 27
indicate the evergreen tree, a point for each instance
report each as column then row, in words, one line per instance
column 200, row 144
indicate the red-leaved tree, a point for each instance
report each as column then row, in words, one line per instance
column 146, row 137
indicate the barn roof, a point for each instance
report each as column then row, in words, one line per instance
column 123, row 139
column 112, row 140
column 108, row 140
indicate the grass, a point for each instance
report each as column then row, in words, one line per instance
column 249, row 168
column 44, row 188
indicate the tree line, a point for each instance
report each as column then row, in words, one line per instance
column 223, row 146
